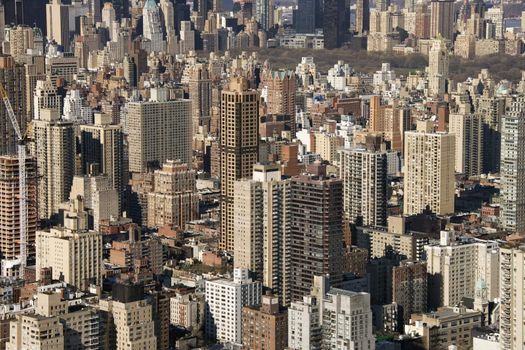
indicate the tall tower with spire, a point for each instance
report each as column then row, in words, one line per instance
column 152, row 25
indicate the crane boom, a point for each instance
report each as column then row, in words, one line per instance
column 11, row 113
column 22, row 184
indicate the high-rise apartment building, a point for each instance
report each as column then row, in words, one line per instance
column 102, row 145
column 187, row 310
column 264, row 13
column 238, row 147
column 512, row 296
column 304, row 324
column 20, row 39
column 347, row 320
column 199, row 87
column 316, row 231
column 265, row 326
column 12, row 78
column 429, row 171
column 281, row 89
column 158, row 129
column 381, row 241
column 10, row 204
column 54, row 150
column 513, row 167
column 410, row 288
column 468, row 131
column 455, row 324
column 362, row 16
column 437, row 66
column 364, row 174
column 35, row 332
column 492, row 109
column 423, row 18
column 81, row 322
column 442, row 18
column 225, row 300
column 130, row 315
column 174, row 200
column 455, row 267
column 72, row 252
column 280, row 94
column 98, row 195
column 262, row 228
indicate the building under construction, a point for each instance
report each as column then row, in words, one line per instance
column 10, row 207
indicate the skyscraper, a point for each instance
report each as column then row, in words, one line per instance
column 335, row 24
column 304, row 18
column 238, row 147
column 265, row 326
column 182, row 13
column 304, row 325
column 26, row 12
column 437, row 68
column 262, row 223
column 121, row 8
column 12, row 77
column 512, row 294
column 168, row 15
column 364, row 174
column 99, row 196
column 102, row 144
column 10, row 204
column 174, row 200
column 382, row 5
column 491, row 110
column 152, row 25
column 94, row 10
column 264, row 13
column 513, row 167
column 339, row 328
column 468, row 131
column 281, row 88
column 158, row 129
column 409, row 288
column 429, row 171
column 55, row 153
column 57, row 17
column 45, row 96
column 316, row 231
column 108, row 16
column 72, row 252
column 442, row 19
column 455, row 267
column 225, row 299
column 132, row 318
column 362, row 16
column 199, row 88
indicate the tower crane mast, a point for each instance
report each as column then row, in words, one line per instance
column 22, row 180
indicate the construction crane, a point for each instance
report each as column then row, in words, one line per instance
column 22, row 180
